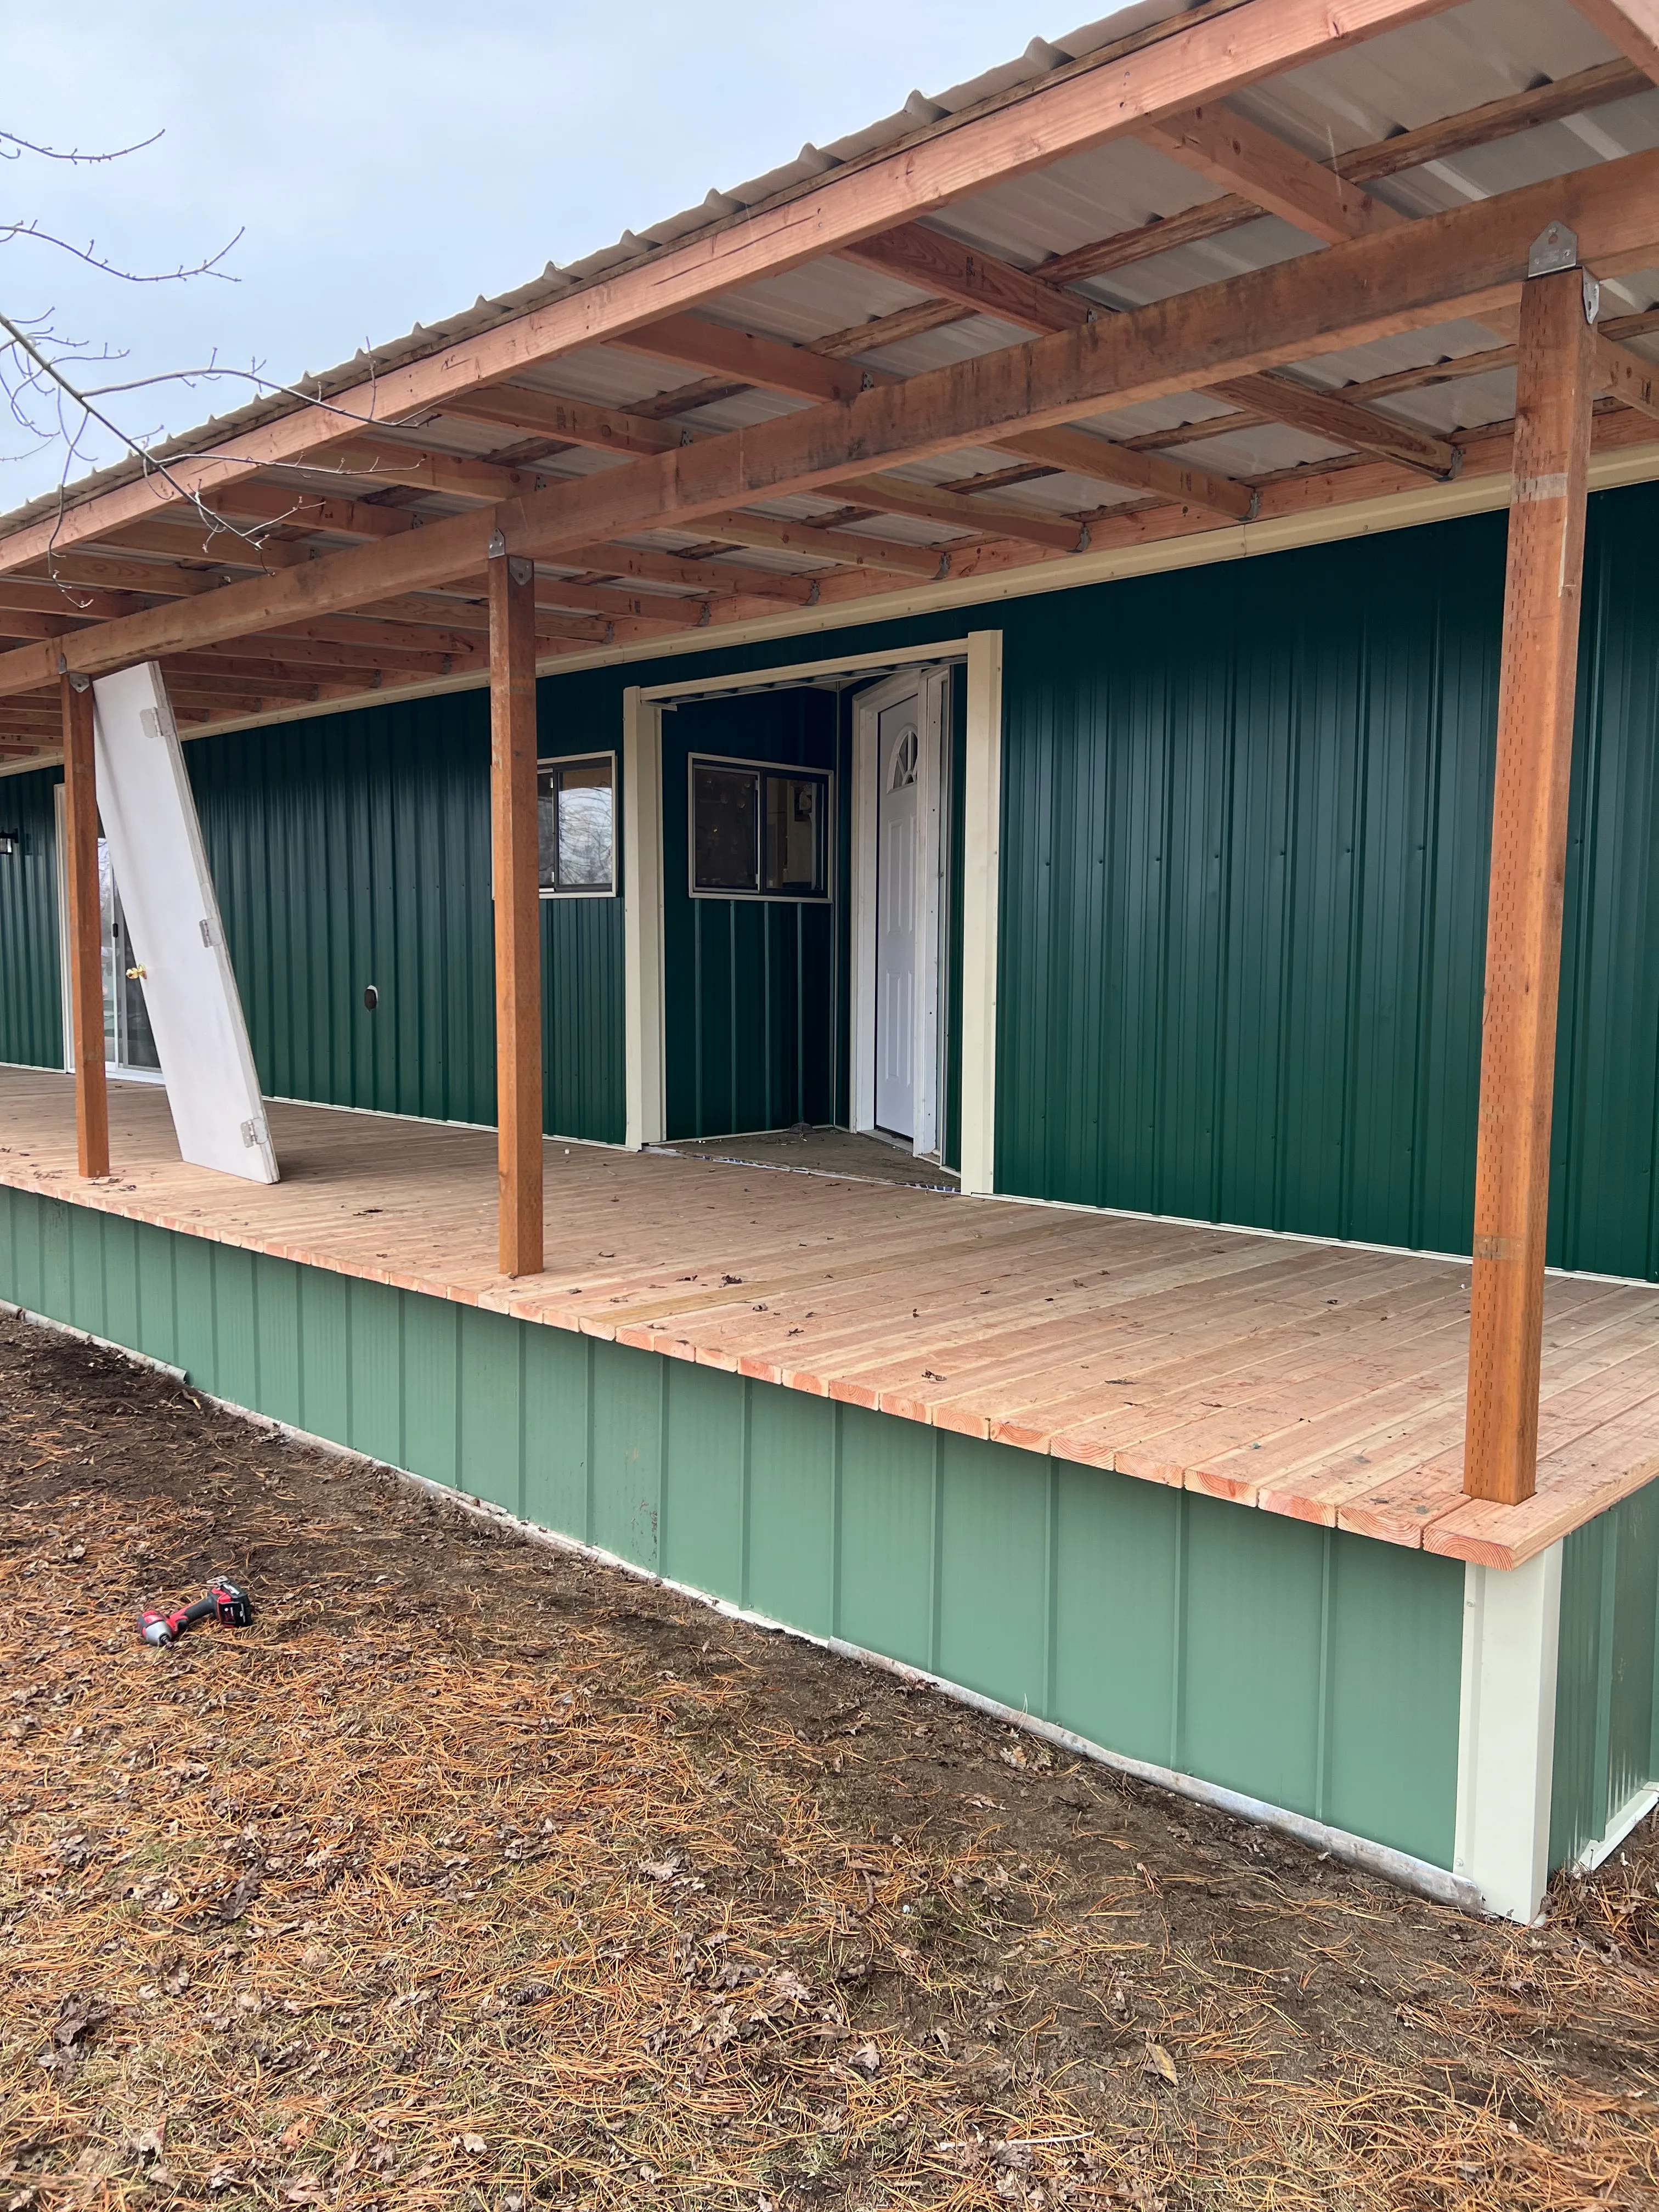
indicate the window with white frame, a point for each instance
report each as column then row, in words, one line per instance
column 576, row 826
column 757, row 831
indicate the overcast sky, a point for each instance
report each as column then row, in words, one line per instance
column 389, row 160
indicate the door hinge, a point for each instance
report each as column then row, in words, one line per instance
column 209, row 931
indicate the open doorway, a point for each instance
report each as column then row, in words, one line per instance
column 128, row 1041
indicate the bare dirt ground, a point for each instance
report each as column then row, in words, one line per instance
column 474, row 1874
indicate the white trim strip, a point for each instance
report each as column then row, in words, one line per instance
column 981, row 884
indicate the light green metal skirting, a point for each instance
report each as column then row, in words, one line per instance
column 1315, row 1671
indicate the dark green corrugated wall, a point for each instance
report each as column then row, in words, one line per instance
column 1248, row 811
column 354, row 851
column 1247, row 814
column 749, row 985
column 1607, row 1688
column 31, row 995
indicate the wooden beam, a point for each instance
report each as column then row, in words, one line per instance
column 518, row 912
column 1389, row 157
column 1240, row 156
column 85, row 947
column 1633, row 26
column 952, row 511
column 1447, row 266
column 1632, row 380
column 1158, row 72
column 1536, row 683
column 925, row 257
column 415, row 468
column 885, row 555
column 544, row 415
column 624, row 560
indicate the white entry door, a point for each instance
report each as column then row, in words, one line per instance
column 899, row 763
column 176, row 942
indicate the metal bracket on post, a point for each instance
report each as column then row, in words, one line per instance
column 498, row 545
column 1553, row 249
column 521, row 570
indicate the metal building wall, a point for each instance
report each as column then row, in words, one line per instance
column 750, row 986
column 1247, row 812
column 1315, row 1671
column 354, row 851
column 31, row 993
column 1607, row 1697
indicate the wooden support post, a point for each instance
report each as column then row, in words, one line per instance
column 84, row 950
column 1536, row 683
column 518, row 911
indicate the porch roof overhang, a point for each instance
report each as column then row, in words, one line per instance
column 1195, row 278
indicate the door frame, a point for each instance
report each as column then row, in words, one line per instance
column 928, row 683
column 978, row 653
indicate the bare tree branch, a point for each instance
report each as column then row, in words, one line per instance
column 94, row 259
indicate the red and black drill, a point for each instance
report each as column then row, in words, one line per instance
column 226, row 1602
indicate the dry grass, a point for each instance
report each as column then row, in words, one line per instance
column 472, row 1876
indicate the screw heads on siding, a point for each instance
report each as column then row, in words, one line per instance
column 370, row 997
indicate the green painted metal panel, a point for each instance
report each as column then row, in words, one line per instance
column 955, row 859
column 705, row 1469
column 887, row 1538
column 192, row 1305
column 277, row 1298
column 1315, row 1671
column 749, row 985
column 432, row 1352
column 626, row 1422
column 491, row 1407
column 1247, row 817
column 792, row 1463
column 158, row 1305
column 1635, row 1649
column 994, row 1570
column 31, row 992
column 1394, row 1633
column 324, row 1355
column 236, row 1328
column 87, row 1302
column 57, row 1277
column 375, row 1355
column 25, row 1210
column 1117, row 1610
column 355, row 850
column 1607, row 1698
column 121, row 1261
column 1252, row 1693
column 558, row 1429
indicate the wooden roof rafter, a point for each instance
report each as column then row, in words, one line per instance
column 860, row 442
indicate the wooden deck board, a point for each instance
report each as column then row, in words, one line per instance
column 1306, row 1378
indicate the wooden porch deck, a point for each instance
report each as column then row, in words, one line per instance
column 1300, row 1377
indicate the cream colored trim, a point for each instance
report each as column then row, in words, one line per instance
column 982, row 878
column 643, row 988
column 803, row 671
column 1506, row 1732
column 1230, row 542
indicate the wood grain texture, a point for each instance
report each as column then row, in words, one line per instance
column 1537, row 682
column 85, row 947
column 1312, row 1380
column 1633, row 26
column 518, row 915
column 1472, row 258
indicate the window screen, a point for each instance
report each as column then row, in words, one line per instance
column 575, row 825
column 759, row 832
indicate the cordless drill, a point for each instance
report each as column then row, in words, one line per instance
column 225, row 1601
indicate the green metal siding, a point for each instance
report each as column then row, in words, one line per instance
column 355, row 850
column 749, row 985
column 1247, row 819
column 31, row 994
column 1315, row 1671
column 1607, row 1697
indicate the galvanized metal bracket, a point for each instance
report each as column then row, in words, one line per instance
column 1554, row 248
